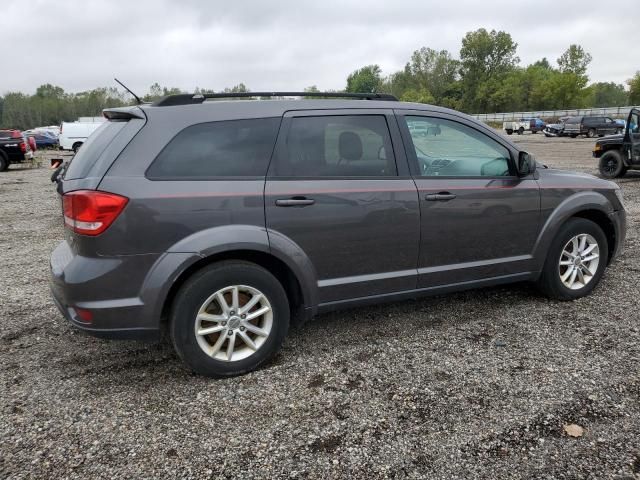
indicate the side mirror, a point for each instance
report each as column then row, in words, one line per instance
column 526, row 164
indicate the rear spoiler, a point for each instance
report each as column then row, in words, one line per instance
column 123, row 113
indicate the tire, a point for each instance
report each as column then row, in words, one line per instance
column 573, row 135
column 76, row 146
column 611, row 165
column 509, row 132
column 591, row 133
column 520, row 131
column 550, row 281
column 4, row 162
column 198, row 294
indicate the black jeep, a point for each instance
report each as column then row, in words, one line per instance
column 618, row 153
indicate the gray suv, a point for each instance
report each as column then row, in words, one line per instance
column 223, row 222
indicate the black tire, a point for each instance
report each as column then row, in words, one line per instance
column 550, row 282
column 195, row 292
column 509, row 132
column 4, row 162
column 611, row 165
column 76, row 146
column 591, row 133
column 520, row 131
column 573, row 135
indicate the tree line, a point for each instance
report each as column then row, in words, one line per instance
column 485, row 77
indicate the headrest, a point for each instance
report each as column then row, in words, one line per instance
column 350, row 146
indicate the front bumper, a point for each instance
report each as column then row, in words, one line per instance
column 91, row 284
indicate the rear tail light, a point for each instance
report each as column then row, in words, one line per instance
column 23, row 147
column 90, row 212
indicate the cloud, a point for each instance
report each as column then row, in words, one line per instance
column 285, row 44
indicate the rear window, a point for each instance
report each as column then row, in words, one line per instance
column 91, row 150
column 233, row 148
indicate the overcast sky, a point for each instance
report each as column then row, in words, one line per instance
column 287, row 45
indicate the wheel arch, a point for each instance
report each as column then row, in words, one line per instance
column 269, row 262
column 591, row 205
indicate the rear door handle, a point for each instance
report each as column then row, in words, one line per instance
column 295, row 202
column 440, row 197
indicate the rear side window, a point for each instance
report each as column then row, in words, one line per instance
column 337, row 146
column 234, row 148
column 91, row 150
column 573, row 120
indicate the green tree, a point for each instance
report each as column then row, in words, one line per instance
column 485, row 57
column 417, row 95
column 432, row 71
column 366, row 80
column 608, row 94
column 574, row 60
column 634, row 89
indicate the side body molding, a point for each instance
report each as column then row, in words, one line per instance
column 578, row 202
column 205, row 243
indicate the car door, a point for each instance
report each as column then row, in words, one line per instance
column 339, row 189
column 478, row 219
column 633, row 135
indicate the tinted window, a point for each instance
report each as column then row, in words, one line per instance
column 337, row 146
column 234, row 148
column 573, row 120
column 92, row 148
column 447, row 148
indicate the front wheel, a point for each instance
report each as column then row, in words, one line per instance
column 229, row 318
column 611, row 165
column 4, row 163
column 520, row 131
column 575, row 262
column 76, row 146
column 591, row 133
column 509, row 132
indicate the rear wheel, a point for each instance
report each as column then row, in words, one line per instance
column 611, row 165
column 575, row 262
column 229, row 318
column 76, row 146
column 4, row 162
column 509, row 132
column 520, row 131
column 591, row 133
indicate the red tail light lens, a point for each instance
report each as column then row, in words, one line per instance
column 23, row 147
column 90, row 212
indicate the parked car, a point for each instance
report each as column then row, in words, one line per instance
column 74, row 134
column 43, row 139
column 535, row 124
column 555, row 129
column 591, row 126
column 14, row 148
column 619, row 153
column 223, row 223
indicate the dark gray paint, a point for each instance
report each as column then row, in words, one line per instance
column 362, row 241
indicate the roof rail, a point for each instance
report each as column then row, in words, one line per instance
column 190, row 98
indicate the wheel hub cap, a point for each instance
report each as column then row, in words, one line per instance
column 233, row 323
column 579, row 261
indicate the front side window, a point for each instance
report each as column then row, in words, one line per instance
column 448, row 148
column 337, row 146
column 234, row 148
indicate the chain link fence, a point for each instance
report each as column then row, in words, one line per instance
column 618, row 112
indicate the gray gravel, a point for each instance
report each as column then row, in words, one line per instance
column 470, row 385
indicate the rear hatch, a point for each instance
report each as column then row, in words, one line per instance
column 101, row 149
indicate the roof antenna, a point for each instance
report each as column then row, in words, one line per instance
column 127, row 89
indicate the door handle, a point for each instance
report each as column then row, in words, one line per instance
column 294, row 202
column 440, row 197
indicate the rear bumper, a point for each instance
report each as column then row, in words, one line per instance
column 92, row 284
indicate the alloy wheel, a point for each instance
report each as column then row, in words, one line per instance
column 233, row 323
column 579, row 261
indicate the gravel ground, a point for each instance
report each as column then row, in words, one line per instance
column 471, row 385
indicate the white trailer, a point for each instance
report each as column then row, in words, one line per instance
column 518, row 127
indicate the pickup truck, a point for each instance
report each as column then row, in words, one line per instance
column 14, row 148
